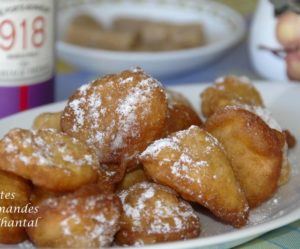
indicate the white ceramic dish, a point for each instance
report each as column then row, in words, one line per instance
column 283, row 100
column 223, row 29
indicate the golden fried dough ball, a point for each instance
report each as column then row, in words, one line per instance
column 153, row 213
column 47, row 120
column 131, row 178
column 254, row 149
column 181, row 114
column 84, row 219
column 230, row 90
column 119, row 114
column 194, row 164
column 267, row 117
column 15, row 192
column 49, row 158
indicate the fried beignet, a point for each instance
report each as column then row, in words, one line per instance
column 84, row 219
column 118, row 115
column 181, row 114
column 16, row 192
column 47, row 120
column 254, row 149
column 153, row 213
column 132, row 178
column 267, row 117
column 194, row 164
column 231, row 90
column 49, row 158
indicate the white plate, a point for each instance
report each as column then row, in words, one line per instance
column 284, row 101
column 223, row 28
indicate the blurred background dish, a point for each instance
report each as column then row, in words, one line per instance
column 221, row 29
column 133, row 34
column 275, row 52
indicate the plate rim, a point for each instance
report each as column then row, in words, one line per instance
column 224, row 44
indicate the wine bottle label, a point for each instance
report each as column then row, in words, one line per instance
column 26, row 42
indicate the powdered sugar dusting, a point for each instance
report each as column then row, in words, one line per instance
column 94, row 102
column 78, row 112
column 263, row 113
column 175, row 99
column 83, row 89
column 182, row 162
column 169, row 216
column 155, row 148
column 126, row 80
column 86, row 96
column 181, row 166
column 98, row 223
column 213, row 141
column 266, row 211
column 267, row 117
column 10, row 147
column 240, row 79
column 45, row 147
column 139, row 95
column 26, row 245
column 107, row 121
column 186, row 164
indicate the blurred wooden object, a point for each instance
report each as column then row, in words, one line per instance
column 130, row 34
column 88, row 32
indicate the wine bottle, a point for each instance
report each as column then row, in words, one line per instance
column 26, row 54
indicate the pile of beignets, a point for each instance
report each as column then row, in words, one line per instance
column 127, row 161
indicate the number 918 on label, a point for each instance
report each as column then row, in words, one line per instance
column 22, row 34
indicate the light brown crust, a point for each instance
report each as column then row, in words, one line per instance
column 110, row 175
column 85, row 219
column 152, row 214
column 49, row 158
column 47, row 120
column 181, row 114
column 132, row 178
column 254, row 149
column 193, row 163
column 11, row 184
column 119, row 114
column 230, row 90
